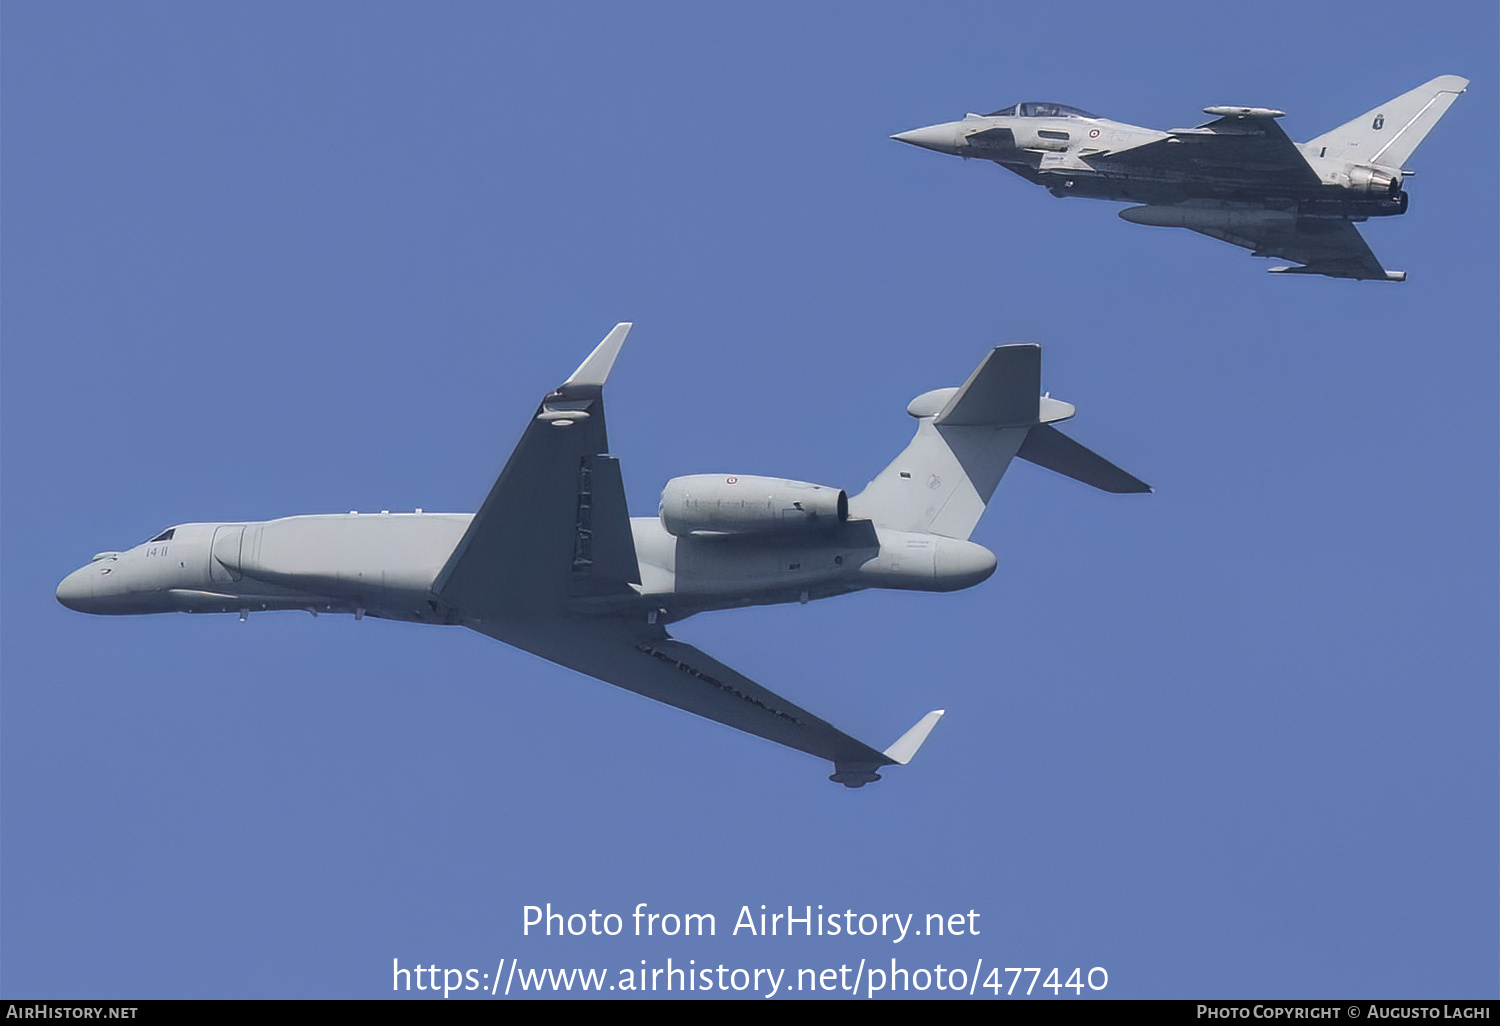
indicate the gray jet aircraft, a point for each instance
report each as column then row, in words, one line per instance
column 553, row 564
column 1237, row 178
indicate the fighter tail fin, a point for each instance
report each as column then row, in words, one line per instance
column 966, row 438
column 1387, row 135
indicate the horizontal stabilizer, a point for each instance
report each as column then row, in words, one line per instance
column 1002, row 391
column 1048, row 447
column 966, row 439
column 907, row 744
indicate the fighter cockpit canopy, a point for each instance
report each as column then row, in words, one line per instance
column 1041, row 110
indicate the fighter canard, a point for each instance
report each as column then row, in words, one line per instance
column 553, row 564
column 1238, row 178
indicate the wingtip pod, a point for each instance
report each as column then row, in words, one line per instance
column 593, row 372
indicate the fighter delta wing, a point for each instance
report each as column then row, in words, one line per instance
column 1333, row 248
column 1238, row 178
column 1244, row 145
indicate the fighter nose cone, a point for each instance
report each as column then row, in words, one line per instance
column 943, row 138
column 77, row 589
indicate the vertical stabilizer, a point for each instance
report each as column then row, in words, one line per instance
column 966, row 439
column 1387, row 135
column 941, row 482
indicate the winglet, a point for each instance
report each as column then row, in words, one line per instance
column 592, row 372
column 906, row 746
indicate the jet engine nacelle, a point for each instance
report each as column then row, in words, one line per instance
column 1373, row 181
column 733, row 504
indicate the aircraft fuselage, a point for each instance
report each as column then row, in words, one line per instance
column 553, row 564
column 384, row 565
column 1090, row 157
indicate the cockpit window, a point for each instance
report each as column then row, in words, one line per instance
column 164, row 536
column 1041, row 110
column 1053, row 110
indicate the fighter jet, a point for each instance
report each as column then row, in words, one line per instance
column 553, row 564
column 1238, row 178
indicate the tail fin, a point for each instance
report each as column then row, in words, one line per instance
column 1387, row 135
column 966, row 438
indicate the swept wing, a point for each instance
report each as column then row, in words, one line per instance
column 550, row 554
column 1328, row 246
column 554, row 527
column 641, row 657
column 1331, row 247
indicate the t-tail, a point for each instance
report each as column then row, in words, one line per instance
column 1387, row 135
column 966, row 438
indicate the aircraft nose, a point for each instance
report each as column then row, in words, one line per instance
column 943, row 138
column 77, row 589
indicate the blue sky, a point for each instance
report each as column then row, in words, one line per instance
column 1233, row 739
